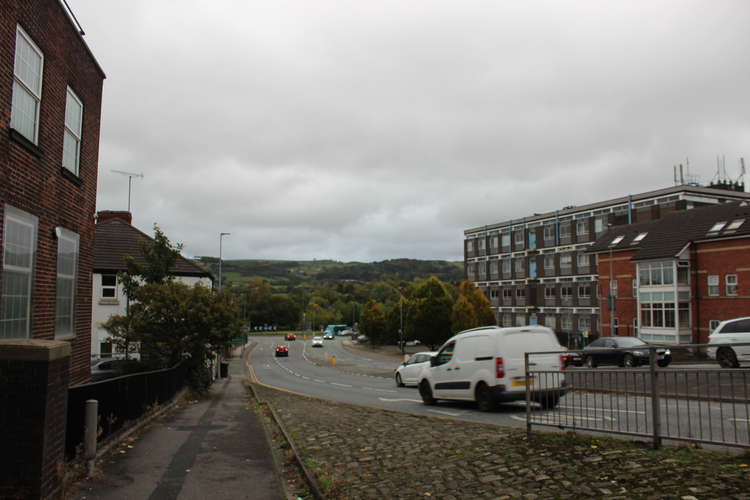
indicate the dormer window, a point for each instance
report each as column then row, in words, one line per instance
column 617, row 240
column 638, row 238
column 717, row 227
column 735, row 224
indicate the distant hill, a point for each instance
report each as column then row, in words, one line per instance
column 288, row 273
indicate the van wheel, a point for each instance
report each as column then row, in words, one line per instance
column 426, row 393
column 483, row 397
column 549, row 401
column 727, row 358
column 399, row 382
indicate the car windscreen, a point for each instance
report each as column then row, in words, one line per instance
column 629, row 342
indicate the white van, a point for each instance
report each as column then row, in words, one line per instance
column 486, row 365
column 731, row 331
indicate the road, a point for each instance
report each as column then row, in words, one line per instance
column 309, row 371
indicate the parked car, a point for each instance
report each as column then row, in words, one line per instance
column 731, row 331
column 291, row 336
column 486, row 365
column 282, row 350
column 328, row 336
column 622, row 351
column 317, row 341
column 409, row 371
column 102, row 369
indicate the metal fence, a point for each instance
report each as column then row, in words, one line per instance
column 121, row 399
column 694, row 401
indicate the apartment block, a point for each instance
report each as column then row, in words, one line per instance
column 538, row 269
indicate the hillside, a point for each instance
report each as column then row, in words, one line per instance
column 288, row 273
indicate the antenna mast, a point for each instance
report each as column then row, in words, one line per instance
column 130, row 180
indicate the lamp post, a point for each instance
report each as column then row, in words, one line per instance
column 221, row 239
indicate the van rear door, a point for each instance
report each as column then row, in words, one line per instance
column 516, row 343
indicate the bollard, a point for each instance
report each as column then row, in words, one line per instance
column 89, row 439
column 333, row 360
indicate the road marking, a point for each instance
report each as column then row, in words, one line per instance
column 398, row 400
column 565, row 418
column 600, row 409
column 319, row 381
column 306, row 378
column 449, row 413
column 341, row 385
column 740, row 419
column 379, row 390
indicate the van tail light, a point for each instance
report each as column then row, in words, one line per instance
column 499, row 368
column 564, row 361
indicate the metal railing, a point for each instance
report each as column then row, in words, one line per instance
column 121, row 399
column 692, row 400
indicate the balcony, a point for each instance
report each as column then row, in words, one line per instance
column 549, row 242
column 520, row 301
column 507, row 301
column 520, row 273
column 550, row 301
column 584, row 301
column 584, row 269
column 566, row 300
column 566, row 270
column 565, row 239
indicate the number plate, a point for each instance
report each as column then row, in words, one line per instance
column 522, row 382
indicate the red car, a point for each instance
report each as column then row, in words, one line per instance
column 282, row 350
column 291, row 336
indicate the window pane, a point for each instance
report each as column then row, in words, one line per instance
column 70, row 152
column 28, row 64
column 24, row 112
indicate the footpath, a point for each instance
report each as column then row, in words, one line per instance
column 215, row 448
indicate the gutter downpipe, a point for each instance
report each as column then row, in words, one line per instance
column 630, row 209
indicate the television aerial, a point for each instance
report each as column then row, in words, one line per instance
column 130, row 180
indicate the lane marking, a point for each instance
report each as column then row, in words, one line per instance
column 565, row 419
column 600, row 409
column 740, row 419
column 379, row 390
column 341, row 385
column 449, row 413
column 398, row 400
column 319, row 381
column 306, row 378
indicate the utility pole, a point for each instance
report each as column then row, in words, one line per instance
column 221, row 238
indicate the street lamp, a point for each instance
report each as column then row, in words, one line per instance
column 221, row 239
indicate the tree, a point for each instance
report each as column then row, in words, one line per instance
column 462, row 315
column 430, row 313
column 482, row 310
column 372, row 322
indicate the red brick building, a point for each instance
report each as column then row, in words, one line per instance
column 50, row 106
column 673, row 280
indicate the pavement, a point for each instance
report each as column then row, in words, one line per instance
column 212, row 448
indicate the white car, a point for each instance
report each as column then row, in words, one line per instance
column 732, row 331
column 328, row 336
column 317, row 341
column 486, row 365
column 409, row 371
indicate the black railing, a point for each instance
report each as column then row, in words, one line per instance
column 121, row 399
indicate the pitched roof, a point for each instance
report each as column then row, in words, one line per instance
column 116, row 238
column 667, row 236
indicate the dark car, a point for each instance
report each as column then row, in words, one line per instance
column 102, row 369
column 291, row 336
column 622, row 351
column 282, row 350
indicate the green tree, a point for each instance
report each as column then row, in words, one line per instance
column 462, row 315
column 372, row 322
column 482, row 310
column 430, row 313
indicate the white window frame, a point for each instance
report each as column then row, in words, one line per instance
column 584, row 323
column 14, row 216
column 518, row 237
column 108, row 287
column 65, row 311
column 584, row 291
column 583, row 260
column 549, row 258
column 566, row 322
column 613, row 288
column 75, row 135
column 731, row 285
column 550, row 292
column 21, row 86
column 713, row 285
column 582, row 227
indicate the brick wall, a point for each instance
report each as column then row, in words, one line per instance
column 623, row 270
column 720, row 258
column 34, row 379
column 33, row 180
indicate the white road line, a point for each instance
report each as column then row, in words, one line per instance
column 306, row 378
column 564, row 419
column 449, row 413
column 319, row 381
column 600, row 409
column 740, row 419
column 379, row 390
column 341, row 385
column 398, row 400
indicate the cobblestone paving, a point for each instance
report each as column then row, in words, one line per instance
column 364, row 453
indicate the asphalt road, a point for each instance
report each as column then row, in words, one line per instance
column 301, row 372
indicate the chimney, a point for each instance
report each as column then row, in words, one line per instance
column 108, row 215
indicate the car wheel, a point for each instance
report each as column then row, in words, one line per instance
column 399, row 382
column 628, row 361
column 426, row 393
column 549, row 401
column 726, row 358
column 663, row 363
column 590, row 363
column 483, row 397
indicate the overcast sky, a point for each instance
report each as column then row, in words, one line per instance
column 368, row 130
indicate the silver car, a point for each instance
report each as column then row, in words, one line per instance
column 408, row 372
column 317, row 341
